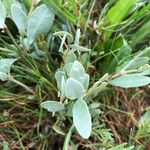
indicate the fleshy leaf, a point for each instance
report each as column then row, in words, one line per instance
column 130, row 81
column 62, row 94
column 85, row 81
column 67, row 68
column 76, row 47
column 2, row 15
column 82, row 118
column 19, row 17
column 70, row 57
column 58, row 77
column 77, row 71
column 40, row 21
column 5, row 65
column 52, row 106
column 74, row 89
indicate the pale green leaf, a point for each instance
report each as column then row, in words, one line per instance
column 69, row 108
column 77, row 38
column 19, row 17
column 82, row 118
column 77, row 71
column 85, row 81
column 62, row 94
column 67, row 68
column 74, row 89
column 84, row 58
column 95, row 105
column 3, row 76
column 5, row 145
column 135, row 63
column 75, row 47
column 58, row 76
column 69, row 57
column 52, row 106
column 5, row 65
column 144, row 73
column 130, row 81
column 144, row 119
column 40, row 21
column 2, row 15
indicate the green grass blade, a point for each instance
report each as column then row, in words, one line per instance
column 61, row 12
column 116, row 14
column 142, row 33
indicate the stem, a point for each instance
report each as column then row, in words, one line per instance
column 125, row 73
column 24, row 108
column 87, row 22
column 10, row 78
column 104, row 56
column 41, row 110
column 18, row 136
column 12, row 38
column 67, row 139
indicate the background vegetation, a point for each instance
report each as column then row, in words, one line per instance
column 116, row 31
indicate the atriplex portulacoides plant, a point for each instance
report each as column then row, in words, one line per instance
column 72, row 80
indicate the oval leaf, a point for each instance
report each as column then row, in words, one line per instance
column 62, row 92
column 52, row 106
column 3, row 76
column 58, row 77
column 85, row 81
column 129, row 81
column 5, row 65
column 77, row 70
column 76, row 47
column 69, row 57
column 82, row 118
column 134, row 63
column 74, row 89
column 67, row 68
column 2, row 15
column 39, row 22
column 19, row 17
column 77, row 38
